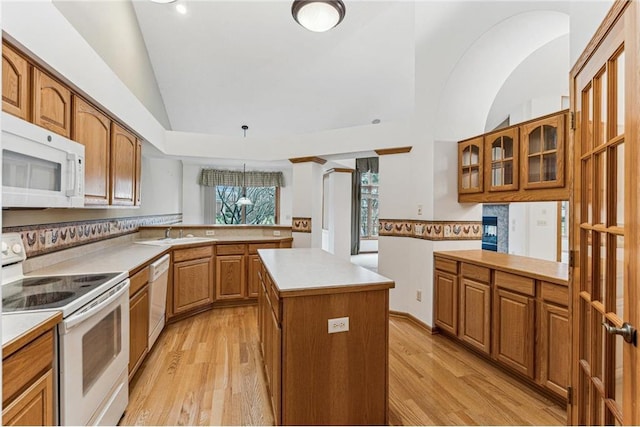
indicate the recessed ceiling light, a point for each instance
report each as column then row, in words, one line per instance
column 375, row 121
column 163, row 1
column 181, row 8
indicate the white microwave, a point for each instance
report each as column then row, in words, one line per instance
column 40, row 169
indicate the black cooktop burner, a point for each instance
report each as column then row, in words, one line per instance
column 36, row 293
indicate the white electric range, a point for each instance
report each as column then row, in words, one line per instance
column 93, row 337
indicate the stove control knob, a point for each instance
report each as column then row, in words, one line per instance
column 5, row 248
column 16, row 248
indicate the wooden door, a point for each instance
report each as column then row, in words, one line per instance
column 475, row 314
column 34, row 407
column 51, row 104
column 192, row 285
column 15, row 83
column 554, row 347
column 92, row 129
column 470, row 173
column 230, row 277
column 138, row 329
column 502, row 155
column 123, row 166
column 446, row 301
column 254, row 277
column 605, row 87
column 543, row 153
column 513, row 331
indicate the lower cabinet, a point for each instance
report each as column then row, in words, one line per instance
column 555, row 345
column 446, row 298
column 230, row 277
column 475, row 314
column 192, row 285
column 138, row 329
column 34, row 407
column 254, row 278
column 514, row 331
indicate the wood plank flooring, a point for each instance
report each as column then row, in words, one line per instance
column 207, row 370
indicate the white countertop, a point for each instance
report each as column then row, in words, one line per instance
column 305, row 269
column 15, row 325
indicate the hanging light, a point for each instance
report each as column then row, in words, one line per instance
column 318, row 15
column 244, row 200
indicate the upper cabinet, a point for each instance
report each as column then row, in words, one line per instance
column 92, row 129
column 124, row 146
column 543, row 153
column 15, row 83
column 524, row 162
column 470, row 154
column 51, row 104
column 502, row 160
column 138, row 183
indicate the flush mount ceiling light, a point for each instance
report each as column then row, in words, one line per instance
column 163, row 1
column 318, row 15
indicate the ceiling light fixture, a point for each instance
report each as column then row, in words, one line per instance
column 163, row 1
column 244, row 200
column 181, row 8
column 318, row 15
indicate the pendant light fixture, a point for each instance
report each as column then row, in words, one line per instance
column 244, row 200
column 318, row 15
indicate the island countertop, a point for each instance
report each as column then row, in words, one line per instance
column 313, row 271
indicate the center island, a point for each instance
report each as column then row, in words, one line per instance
column 324, row 334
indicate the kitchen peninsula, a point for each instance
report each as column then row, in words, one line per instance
column 324, row 330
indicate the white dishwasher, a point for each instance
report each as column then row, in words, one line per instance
column 158, row 276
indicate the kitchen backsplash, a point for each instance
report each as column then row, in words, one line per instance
column 431, row 230
column 42, row 239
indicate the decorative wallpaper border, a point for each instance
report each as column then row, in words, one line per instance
column 431, row 230
column 40, row 239
column 301, row 225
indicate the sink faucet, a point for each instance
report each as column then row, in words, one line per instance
column 180, row 233
column 167, row 233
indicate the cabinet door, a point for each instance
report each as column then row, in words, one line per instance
column 138, row 183
column 230, row 277
column 553, row 352
column 446, row 297
column 34, row 407
column 123, row 166
column 501, row 157
column 51, row 104
column 276, row 369
column 254, row 277
column 192, row 285
column 15, row 83
column 475, row 314
column 92, row 129
column 543, row 152
column 138, row 329
column 470, row 173
column 513, row 331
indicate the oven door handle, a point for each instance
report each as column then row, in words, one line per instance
column 80, row 317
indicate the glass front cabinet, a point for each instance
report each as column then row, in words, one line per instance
column 502, row 159
column 470, row 174
column 543, row 153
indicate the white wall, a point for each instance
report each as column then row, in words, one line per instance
column 193, row 195
column 339, row 239
column 586, row 16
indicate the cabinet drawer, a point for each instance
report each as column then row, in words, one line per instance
column 253, row 247
column 19, row 369
column 446, row 265
column 138, row 280
column 481, row 274
column 555, row 293
column 192, row 253
column 230, row 249
column 524, row 285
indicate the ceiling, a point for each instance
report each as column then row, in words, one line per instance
column 228, row 63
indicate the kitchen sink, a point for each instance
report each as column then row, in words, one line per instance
column 175, row 241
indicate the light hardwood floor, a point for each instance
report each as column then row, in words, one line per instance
column 206, row 370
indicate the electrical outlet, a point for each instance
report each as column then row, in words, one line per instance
column 276, row 232
column 210, row 232
column 419, row 295
column 340, row 324
column 419, row 209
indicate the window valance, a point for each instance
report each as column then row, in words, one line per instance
column 367, row 164
column 214, row 177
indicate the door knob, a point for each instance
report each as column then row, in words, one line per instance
column 627, row 331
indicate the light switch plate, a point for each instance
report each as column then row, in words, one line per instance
column 210, row 232
column 276, row 232
column 340, row 324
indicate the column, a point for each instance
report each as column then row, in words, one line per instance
column 306, row 221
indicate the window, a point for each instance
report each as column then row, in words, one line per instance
column 263, row 211
column 369, row 206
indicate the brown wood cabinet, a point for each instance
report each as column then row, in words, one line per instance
column 123, row 166
column 523, row 162
column 92, row 129
column 514, row 331
column 518, row 321
column 230, row 277
column 27, row 382
column 138, row 183
column 254, row 277
column 192, row 279
column 51, row 104
column 138, row 319
column 470, row 161
column 15, row 83
column 475, row 314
